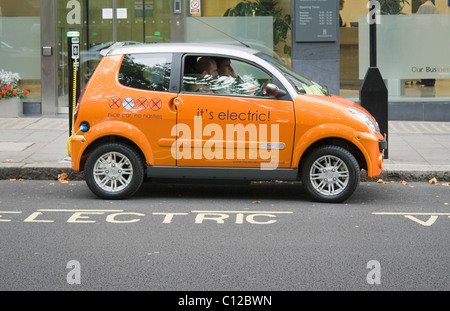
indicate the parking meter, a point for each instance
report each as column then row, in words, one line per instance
column 73, row 47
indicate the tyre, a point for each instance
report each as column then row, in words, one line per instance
column 330, row 174
column 114, row 171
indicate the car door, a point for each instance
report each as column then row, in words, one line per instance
column 229, row 121
column 145, row 101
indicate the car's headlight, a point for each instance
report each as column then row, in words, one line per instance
column 365, row 118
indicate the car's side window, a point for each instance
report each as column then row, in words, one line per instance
column 223, row 76
column 146, row 71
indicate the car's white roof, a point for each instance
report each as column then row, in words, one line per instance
column 198, row 48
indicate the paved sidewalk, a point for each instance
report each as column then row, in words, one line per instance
column 35, row 148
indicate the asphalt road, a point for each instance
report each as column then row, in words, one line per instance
column 190, row 237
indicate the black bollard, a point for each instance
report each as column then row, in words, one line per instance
column 373, row 95
column 374, row 98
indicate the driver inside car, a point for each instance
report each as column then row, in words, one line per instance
column 206, row 68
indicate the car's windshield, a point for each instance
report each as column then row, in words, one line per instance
column 301, row 84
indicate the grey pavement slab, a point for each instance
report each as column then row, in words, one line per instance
column 419, row 146
column 14, row 147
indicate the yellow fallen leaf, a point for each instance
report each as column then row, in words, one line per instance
column 63, row 177
column 433, row 180
column 256, row 202
column 12, row 179
column 381, row 181
column 447, row 184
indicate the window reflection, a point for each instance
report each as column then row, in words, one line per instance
column 430, row 38
column 20, row 44
column 146, row 71
column 223, row 76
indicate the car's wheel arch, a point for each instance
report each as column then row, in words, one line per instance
column 111, row 139
column 117, row 132
column 333, row 134
column 335, row 141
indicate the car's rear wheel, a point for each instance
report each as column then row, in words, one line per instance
column 330, row 174
column 114, row 171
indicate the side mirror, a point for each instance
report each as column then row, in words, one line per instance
column 273, row 91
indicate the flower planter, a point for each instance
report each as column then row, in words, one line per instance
column 11, row 107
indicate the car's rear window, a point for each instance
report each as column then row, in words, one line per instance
column 146, row 71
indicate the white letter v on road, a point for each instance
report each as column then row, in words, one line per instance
column 427, row 223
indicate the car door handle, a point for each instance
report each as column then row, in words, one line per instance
column 176, row 104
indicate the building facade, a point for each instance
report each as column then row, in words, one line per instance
column 304, row 34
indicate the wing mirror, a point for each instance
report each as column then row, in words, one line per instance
column 273, row 91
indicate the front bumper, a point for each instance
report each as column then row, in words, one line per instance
column 372, row 146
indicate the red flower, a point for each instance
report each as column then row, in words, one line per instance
column 26, row 92
column 14, row 92
column 8, row 87
column 3, row 92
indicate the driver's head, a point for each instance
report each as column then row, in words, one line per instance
column 224, row 67
column 206, row 66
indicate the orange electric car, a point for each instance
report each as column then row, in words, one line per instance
column 201, row 111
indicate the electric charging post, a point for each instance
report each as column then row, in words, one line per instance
column 73, row 47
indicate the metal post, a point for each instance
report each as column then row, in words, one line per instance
column 373, row 45
column 178, row 21
column 49, row 63
column 73, row 48
column 144, row 35
column 114, row 20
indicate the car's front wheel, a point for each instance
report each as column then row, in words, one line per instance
column 330, row 174
column 114, row 171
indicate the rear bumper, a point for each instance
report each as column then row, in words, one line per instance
column 77, row 147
